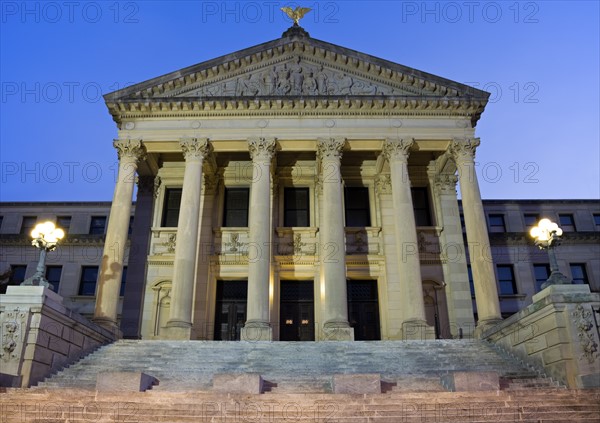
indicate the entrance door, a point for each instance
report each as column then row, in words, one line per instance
column 297, row 311
column 363, row 310
column 230, row 313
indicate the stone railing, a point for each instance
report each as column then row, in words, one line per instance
column 363, row 240
column 163, row 241
column 230, row 241
column 297, row 241
column 558, row 333
column 40, row 335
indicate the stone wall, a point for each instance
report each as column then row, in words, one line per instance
column 40, row 335
column 557, row 333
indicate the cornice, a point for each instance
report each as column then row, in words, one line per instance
column 296, row 106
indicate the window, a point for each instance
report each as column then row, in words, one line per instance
column 531, row 220
column 420, row 201
column 130, row 227
column 87, row 284
column 1, row 219
column 295, row 205
column 235, row 213
column 97, row 225
column 63, row 222
column 496, row 222
column 356, row 203
column 596, row 220
column 541, row 273
column 123, row 279
column 28, row 224
column 172, row 203
column 506, row 279
column 53, row 276
column 471, row 284
column 579, row 274
column 17, row 274
column 566, row 222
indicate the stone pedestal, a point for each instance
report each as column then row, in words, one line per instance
column 558, row 333
column 40, row 335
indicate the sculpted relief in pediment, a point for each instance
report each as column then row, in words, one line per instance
column 293, row 78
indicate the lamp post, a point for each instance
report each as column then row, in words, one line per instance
column 45, row 237
column 547, row 236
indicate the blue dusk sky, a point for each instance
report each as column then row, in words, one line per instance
column 538, row 59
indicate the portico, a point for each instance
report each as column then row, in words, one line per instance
column 344, row 185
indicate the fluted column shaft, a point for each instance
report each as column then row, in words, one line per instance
column 484, row 279
column 257, row 325
column 332, row 237
column 186, row 249
column 111, row 270
column 409, row 265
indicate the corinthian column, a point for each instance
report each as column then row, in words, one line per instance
column 257, row 327
column 484, row 279
column 414, row 324
column 109, row 281
column 334, row 295
column 179, row 325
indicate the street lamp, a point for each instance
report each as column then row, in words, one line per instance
column 547, row 236
column 45, row 237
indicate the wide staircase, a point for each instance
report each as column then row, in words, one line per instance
column 298, row 385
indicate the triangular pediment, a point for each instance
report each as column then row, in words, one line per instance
column 296, row 68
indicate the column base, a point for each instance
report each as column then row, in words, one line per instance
column 483, row 326
column 337, row 334
column 108, row 324
column 177, row 330
column 417, row 330
column 254, row 332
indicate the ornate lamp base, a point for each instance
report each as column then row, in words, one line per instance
column 556, row 278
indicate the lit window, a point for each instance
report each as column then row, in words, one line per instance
column 87, row 284
column 506, row 279
column 567, row 223
column 97, row 225
column 356, row 203
column 496, row 222
column 541, row 273
column 579, row 274
column 172, row 203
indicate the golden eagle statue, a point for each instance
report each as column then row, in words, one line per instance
column 296, row 14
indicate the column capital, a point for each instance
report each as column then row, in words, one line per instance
column 397, row 148
column 130, row 149
column 463, row 147
column 446, row 183
column 194, row 148
column 262, row 148
column 330, row 148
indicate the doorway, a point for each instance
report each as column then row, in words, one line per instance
column 363, row 309
column 297, row 311
column 230, row 314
